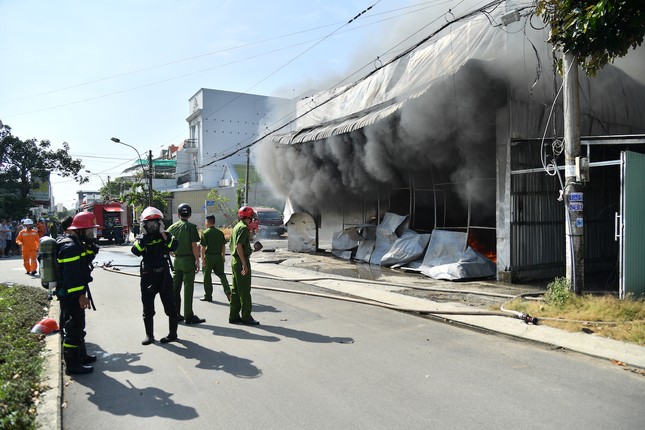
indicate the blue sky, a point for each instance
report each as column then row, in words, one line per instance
column 82, row 72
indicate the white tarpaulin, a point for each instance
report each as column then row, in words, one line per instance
column 409, row 247
column 449, row 258
column 471, row 265
column 386, row 235
column 611, row 97
column 302, row 232
column 344, row 109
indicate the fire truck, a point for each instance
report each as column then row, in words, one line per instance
column 114, row 220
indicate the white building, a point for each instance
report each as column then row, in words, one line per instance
column 221, row 122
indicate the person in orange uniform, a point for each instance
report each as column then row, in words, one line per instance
column 28, row 239
column 41, row 227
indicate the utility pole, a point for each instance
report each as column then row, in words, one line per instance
column 150, row 178
column 574, row 221
column 246, row 179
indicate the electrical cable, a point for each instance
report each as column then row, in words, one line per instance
column 349, row 87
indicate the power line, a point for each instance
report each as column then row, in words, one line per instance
column 494, row 3
column 149, row 84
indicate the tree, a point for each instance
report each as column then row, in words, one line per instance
column 222, row 204
column 596, row 32
column 116, row 189
column 590, row 33
column 240, row 193
column 24, row 163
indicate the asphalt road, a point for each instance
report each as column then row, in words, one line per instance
column 324, row 364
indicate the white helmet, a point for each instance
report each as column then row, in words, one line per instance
column 27, row 221
column 151, row 213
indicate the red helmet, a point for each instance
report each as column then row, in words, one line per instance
column 83, row 220
column 245, row 212
column 151, row 213
column 45, row 326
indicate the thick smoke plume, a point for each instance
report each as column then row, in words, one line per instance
column 445, row 136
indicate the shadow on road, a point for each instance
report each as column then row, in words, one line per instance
column 112, row 396
column 214, row 360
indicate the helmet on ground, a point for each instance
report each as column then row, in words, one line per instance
column 151, row 213
column 83, row 220
column 245, row 212
column 45, row 326
column 184, row 210
column 27, row 221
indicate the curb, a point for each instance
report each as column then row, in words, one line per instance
column 49, row 411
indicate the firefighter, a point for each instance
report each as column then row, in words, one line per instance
column 186, row 262
column 154, row 245
column 76, row 251
column 241, row 268
column 28, row 239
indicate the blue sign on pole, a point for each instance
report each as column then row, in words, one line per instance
column 575, row 197
column 210, row 202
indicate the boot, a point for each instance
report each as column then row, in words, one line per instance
column 85, row 358
column 173, row 322
column 150, row 333
column 73, row 364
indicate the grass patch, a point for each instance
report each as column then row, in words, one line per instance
column 21, row 361
column 605, row 315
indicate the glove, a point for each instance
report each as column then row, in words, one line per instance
column 143, row 240
column 143, row 229
column 162, row 227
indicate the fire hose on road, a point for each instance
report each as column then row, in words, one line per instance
column 503, row 313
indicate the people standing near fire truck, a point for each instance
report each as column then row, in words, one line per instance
column 28, row 240
column 213, row 254
column 76, row 251
column 241, row 268
column 154, row 245
column 186, row 262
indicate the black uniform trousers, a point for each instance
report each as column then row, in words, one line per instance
column 73, row 321
column 158, row 280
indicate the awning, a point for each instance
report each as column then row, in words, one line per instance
column 383, row 93
column 113, row 209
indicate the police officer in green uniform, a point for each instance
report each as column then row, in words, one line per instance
column 213, row 244
column 186, row 262
column 241, row 268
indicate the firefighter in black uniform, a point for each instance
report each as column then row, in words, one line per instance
column 76, row 251
column 155, row 244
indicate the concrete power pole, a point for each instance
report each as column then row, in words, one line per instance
column 573, row 196
column 246, row 179
column 149, row 177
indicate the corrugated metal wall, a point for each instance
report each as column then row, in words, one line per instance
column 537, row 218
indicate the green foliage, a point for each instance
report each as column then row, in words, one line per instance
column 23, row 163
column 116, row 189
column 222, row 205
column 558, row 292
column 20, row 354
column 240, row 193
column 595, row 31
